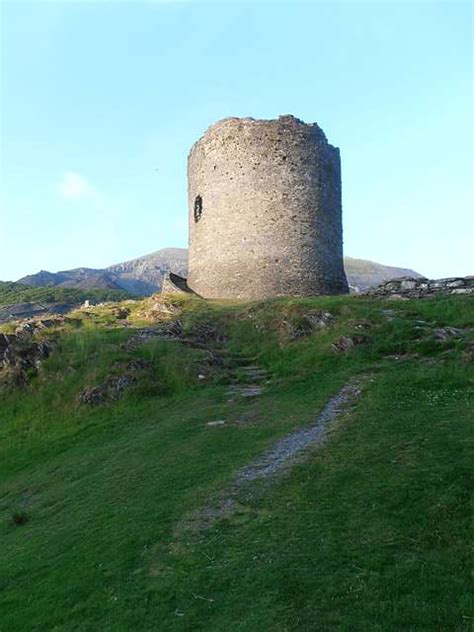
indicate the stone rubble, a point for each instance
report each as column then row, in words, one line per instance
column 114, row 387
column 345, row 343
column 250, row 383
column 307, row 324
column 410, row 287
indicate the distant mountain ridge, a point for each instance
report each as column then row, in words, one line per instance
column 141, row 276
column 144, row 275
column 84, row 278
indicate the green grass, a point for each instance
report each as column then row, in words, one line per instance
column 370, row 532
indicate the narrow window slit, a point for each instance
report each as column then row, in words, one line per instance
column 197, row 208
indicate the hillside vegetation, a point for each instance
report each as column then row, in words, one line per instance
column 114, row 512
column 11, row 293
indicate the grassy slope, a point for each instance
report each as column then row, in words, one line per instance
column 369, row 533
column 11, row 293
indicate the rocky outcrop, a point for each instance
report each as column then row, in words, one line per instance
column 114, row 386
column 18, row 355
column 306, row 324
column 410, row 287
column 23, row 351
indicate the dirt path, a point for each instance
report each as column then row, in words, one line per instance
column 278, row 458
column 287, row 449
column 247, row 380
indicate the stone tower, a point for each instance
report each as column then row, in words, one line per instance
column 265, row 213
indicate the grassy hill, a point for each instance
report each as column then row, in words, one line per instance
column 111, row 516
column 11, row 293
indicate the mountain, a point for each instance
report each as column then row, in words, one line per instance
column 144, row 275
column 84, row 278
column 140, row 276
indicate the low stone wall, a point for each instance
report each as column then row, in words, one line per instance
column 410, row 287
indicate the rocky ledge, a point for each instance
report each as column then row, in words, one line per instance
column 23, row 350
column 410, row 287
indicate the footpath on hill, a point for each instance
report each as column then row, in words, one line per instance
column 209, row 466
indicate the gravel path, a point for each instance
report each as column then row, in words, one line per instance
column 286, row 449
column 278, row 458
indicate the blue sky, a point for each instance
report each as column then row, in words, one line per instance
column 101, row 101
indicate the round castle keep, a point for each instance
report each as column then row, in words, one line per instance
column 265, row 211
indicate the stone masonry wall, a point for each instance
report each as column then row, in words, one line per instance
column 408, row 287
column 265, row 213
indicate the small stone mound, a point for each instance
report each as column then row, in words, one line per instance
column 198, row 335
column 114, row 387
column 35, row 325
column 142, row 336
column 172, row 329
column 346, row 343
column 159, row 308
column 202, row 334
column 307, row 324
column 120, row 312
column 92, row 396
column 447, row 333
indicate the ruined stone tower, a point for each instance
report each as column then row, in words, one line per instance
column 265, row 211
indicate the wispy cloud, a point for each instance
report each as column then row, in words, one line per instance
column 74, row 186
